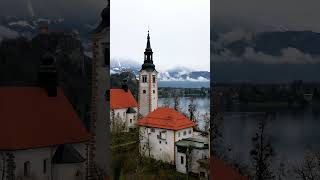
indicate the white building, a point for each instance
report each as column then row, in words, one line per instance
column 124, row 110
column 190, row 153
column 41, row 136
column 159, row 128
column 159, row 131
column 148, row 86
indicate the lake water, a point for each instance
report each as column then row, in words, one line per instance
column 184, row 84
column 202, row 106
column 292, row 133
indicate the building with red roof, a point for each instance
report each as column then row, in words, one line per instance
column 124, row 109
column 160, row 130
column 41, row 134
column 219, row 170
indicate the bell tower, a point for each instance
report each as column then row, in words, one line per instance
column 148, row 83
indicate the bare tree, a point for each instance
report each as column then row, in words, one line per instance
column 2, row 165
column 167, row 102
column 11, row 166
column 283, row 171
column 309, row 168
column 188, row 159
column 262, row 153
column 206, row 119
column 216, row 136
column 192, row 109
column 144, row 141
column 117, row 124
column 176, row 100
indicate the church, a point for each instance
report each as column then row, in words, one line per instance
column 159, row 127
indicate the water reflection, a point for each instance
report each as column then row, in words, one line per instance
column 292, row 133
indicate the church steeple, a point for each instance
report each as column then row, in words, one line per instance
column 148, row 42
column 148, row 56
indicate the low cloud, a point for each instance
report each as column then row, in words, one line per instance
column 6, row 33
column 288, row 56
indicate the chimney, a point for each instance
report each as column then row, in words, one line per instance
column 125, row 85
column 48, row 75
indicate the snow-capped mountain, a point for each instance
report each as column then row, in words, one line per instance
column 175, row 74
column 28, row 26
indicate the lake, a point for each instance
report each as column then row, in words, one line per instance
column 292, row 133
column 202, row 106
column 184, row 84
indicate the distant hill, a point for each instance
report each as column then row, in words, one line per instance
column 175, row 74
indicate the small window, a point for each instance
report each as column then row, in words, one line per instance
column 152, row 130
column 154, row 79
column 144, row 78
column 27, row 169
column 159, row 142
column 178, row 134
column 144, row 91
column 45, row 163
column 184, row 133
column 182, row 159
column 190, row 131
column 130, row 120
column 166, row 142
column 154, row 91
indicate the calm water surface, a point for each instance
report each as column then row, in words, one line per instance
column 292, row 133
column 202, row 106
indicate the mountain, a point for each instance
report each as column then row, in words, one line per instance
column 28, row 27
column 175, row 74
column 273, row 43
column 271, row 56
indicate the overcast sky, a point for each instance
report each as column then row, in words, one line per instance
column 179, row 30
column 292, row 14
column 75, row 10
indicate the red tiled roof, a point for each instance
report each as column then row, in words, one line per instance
column 120, row 99
column 166, row 118
column 220, row 171
column 31, row 119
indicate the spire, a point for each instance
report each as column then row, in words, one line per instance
column 148, row 56
column 148, row 42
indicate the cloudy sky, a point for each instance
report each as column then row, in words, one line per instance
column 179, row 30
column 76, row 10
column 292, row 14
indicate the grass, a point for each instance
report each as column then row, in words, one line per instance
column 127, row 163
column 122, row 138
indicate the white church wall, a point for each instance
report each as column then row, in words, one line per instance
column 36, row 158
column 161, row 148
column 121, row 117
column 148, row 93
column 181, row 164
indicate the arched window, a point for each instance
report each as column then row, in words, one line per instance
column 27, row 169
